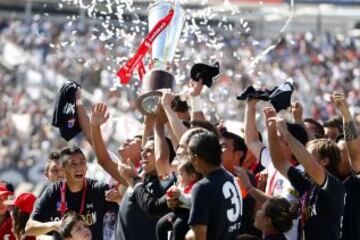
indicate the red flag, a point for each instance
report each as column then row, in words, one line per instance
column 126, row 71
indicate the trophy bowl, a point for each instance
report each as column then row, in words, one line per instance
column 162, row 54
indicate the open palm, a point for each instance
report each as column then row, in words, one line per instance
column 99, row 114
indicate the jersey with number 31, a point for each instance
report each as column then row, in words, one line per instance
column 217, row 203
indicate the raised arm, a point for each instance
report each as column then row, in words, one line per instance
column 311, row 165
column 100, row 116
column 251, row 133
column 162, row 151
column 297, row 112
column 36, row 228
column 177, row 127
column 148, row 129
column 352, row 138
column 276, row 154
column 83, row 117
column 255, row 193
column 195, row 100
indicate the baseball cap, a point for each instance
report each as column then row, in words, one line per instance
column 207, row 73
column 4, row 190
column 24, row 202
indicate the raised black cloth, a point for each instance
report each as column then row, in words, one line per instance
column 64, row 116
column 279, row 97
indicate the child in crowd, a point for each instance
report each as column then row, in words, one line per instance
column 22, row 208
column 73, row 227
column 176, row 221
column 275, row 217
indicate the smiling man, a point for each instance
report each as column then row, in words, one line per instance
column 76, row 193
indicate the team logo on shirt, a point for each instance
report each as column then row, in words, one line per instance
column 58, row 206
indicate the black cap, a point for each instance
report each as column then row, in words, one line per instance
column 64, row 116
column 207, row 73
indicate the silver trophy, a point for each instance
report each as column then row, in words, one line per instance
column 162, row 54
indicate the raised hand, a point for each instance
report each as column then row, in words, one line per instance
column 281, row 126
column 166, row 98
column 297, row 111
column 127, row 171
column 113, row 195
column 252, row 101
column 340, row 102
column 99, row 114
column 270, row 118
column 242, row 174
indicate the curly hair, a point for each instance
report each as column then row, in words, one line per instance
column 281, row 213
column 68, row 222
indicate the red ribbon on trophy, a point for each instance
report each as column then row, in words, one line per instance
column 137, row 60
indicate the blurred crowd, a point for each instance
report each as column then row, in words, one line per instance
column 185, row 172
column 38, row 57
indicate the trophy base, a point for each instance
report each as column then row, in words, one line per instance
column 149, row 101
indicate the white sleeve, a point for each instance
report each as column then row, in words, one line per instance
column 265, row 158
column 185, row 199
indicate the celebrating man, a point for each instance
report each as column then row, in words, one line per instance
column 76, row 193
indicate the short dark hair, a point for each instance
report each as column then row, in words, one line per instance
column 53, row 157
column 179, row 106
column 319, row 129
column 68, row 222
column 206, row 145
column 239, row 143
column 205, row 124
column 68, row 151
column 335, row 122
column 299, row 132
column 281, row 213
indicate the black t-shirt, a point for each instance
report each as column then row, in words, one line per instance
column 48, row 205
column 132, row 222
column 351, row 223
column 322, row 207
column 217, row 203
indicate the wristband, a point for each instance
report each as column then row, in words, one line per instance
column 196, row 104
column 79, row 102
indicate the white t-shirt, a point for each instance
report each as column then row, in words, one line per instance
column 279, row 186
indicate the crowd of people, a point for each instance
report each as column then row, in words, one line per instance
column 184, row 175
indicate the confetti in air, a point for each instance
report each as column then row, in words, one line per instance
column 258, row 58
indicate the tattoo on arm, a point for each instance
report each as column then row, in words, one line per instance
column 350, row 131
